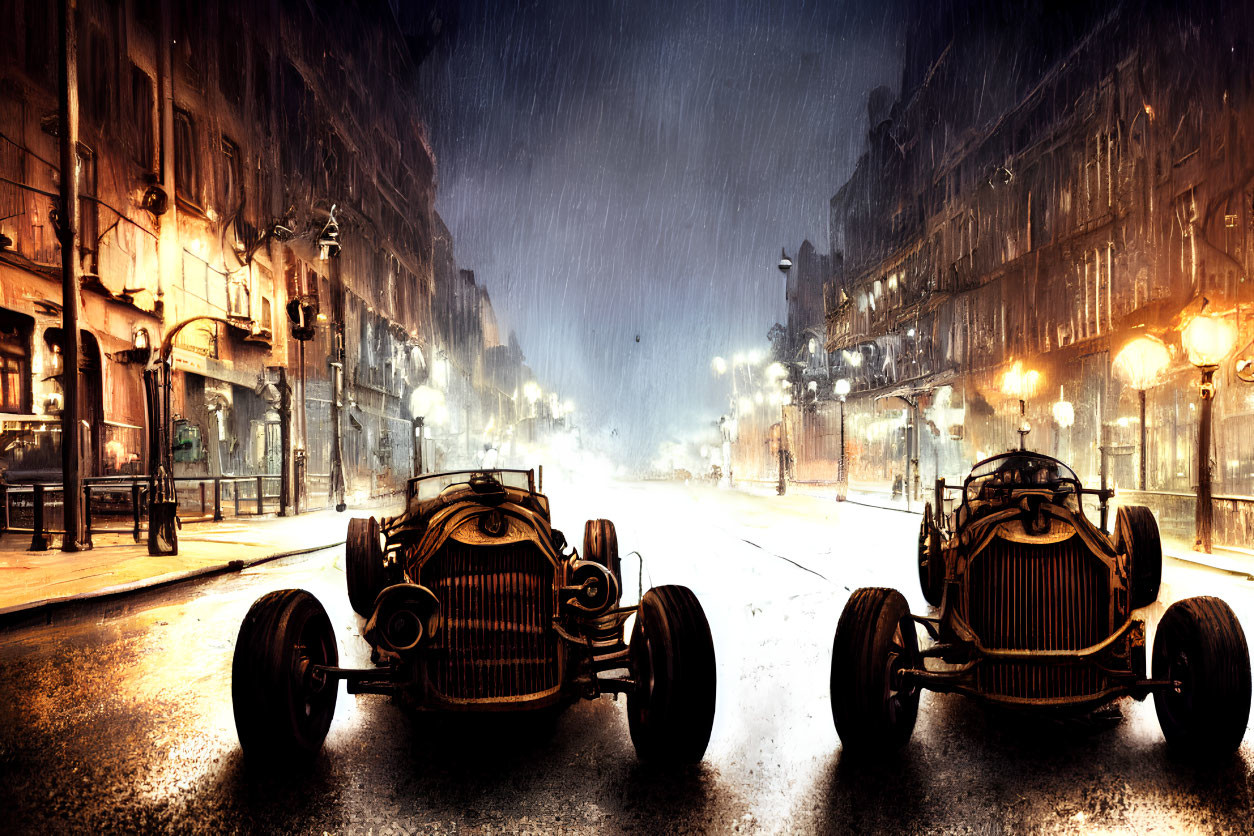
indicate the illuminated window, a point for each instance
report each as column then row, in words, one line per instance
column 15, row 331
column 186, row 164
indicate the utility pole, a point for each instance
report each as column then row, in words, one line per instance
column 67, row 233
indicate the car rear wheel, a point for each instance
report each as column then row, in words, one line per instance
column 931, row 564
column 366, row 575
column 671, row 710
column 600, row 545
column 283, row 707
column 1201, row 645
column 875, row 639
column 1136, row 535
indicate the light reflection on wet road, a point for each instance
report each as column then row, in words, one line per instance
column 119, row 717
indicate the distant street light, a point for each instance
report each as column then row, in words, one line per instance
column 1207, row 339
column 1138, row 364
column 785, row 263
column 1021, row 384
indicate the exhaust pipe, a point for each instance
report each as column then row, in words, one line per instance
column 404, row 617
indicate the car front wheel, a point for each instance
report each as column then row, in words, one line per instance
column 931, row 564
column 671, row 710
column 873, row 710
column 283, row 706
column 363, row 559
column 1201, row 645
column 600, row 545
column 1136, row 535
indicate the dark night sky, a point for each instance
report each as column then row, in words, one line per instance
column 614, row 169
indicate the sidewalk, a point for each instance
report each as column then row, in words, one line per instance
column 117, row 564
column 1233, row 561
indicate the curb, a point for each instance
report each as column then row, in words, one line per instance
column 48, row 606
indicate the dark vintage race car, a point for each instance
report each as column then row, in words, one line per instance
column 473, row 602
column 1037, row 610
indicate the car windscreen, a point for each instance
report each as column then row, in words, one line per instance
column 1014, row 472
column 429, row 487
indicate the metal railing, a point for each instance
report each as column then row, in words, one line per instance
column 108, row 500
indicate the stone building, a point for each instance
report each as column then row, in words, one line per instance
column 223, row 146
column 1051, row 181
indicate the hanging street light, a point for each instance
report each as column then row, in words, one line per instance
column 1207, row 340
column 1139, row 364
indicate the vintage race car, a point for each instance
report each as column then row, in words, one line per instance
column 473, row 602
column 1037, row 609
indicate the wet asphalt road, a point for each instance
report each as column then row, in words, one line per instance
column 118, row 716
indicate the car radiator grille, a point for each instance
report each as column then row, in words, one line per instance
column 1028, row 596
column 496, row 640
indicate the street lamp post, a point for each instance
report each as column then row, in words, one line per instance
column 1207, row 339
column 841, row 390
column 785, row 264
column 329, row 252
column 1138, row 365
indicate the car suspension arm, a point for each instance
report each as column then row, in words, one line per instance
column 363, row 680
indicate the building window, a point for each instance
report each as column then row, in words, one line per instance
column 188, row 46
column 142, row 119
column 232, row 177
column 238, row 295
column 40, row 46
column 15, row 331
column 231, row 59
column 88, row 211
column 186, row 164
column 261, row 89
column 146, row 12
column 95, row 79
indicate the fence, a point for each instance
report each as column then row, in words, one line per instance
column 110, row 501
column 1233, row 525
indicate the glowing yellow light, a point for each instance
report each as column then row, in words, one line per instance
column 1208, row 339
column 720, row 365
column 1139, row 363
column 1064, row 414
column 1019, row 383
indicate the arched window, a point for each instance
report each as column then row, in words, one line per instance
column 15, row 381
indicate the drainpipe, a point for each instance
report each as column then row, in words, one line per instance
column 168, row 261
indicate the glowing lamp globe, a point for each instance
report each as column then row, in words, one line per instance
column 1064, row 414
column 785, row 263
column 1208, row 339
column 1020, row 383
column 841, row 388
column 1139, row 363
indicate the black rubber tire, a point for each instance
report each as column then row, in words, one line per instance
column 874, row 638
column 671, row 710
column 1201, row 644
column 600, row 545
column 931, row 563
column 363, row 569
column 1136, row 535
column 282, row 711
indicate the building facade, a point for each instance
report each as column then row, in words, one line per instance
column 1095, row 184
column 257, row 193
